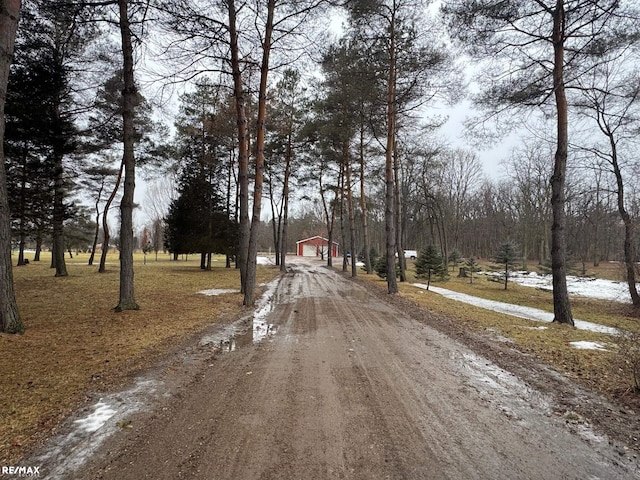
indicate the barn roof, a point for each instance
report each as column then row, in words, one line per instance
column 315, row 237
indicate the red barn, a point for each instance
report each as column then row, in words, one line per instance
column 315, row 247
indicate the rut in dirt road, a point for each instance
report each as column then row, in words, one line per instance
column 350, row 388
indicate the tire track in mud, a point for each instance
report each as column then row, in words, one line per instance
column 348, row 388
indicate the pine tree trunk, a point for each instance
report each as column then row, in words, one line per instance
column 22, row 208
column 398, row 213
column 363, row 207
column 285, row 196
column 129, row 96
column 94, row 245
column 343, row 235
column 392, row 285
column 249, row 293
column 10, row 321
column 58, row 216
column 105, row 224
column 561, row 305
column 352, row 228
column 330, row 217
column 243, row 150
column 36, row 255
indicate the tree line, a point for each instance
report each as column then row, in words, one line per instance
column 355, row 142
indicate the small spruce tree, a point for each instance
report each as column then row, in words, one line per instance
column 455, row 258
column 472, row 266
column 429, row 262
column 380, row 267
column 507, row 255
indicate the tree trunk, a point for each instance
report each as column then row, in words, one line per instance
column 596, row 227
column 330, row 216
column 363, row 207
column 249, row 292
column 243, row 150
column 506, row 275
column 10, row 321
column 22, row 212
column 129, row 96
column 36, row 255
column 105, row 224
column 561, row 305
column 629, row 247
column 276, row 226
column 352, row 228
column 343, row 235
column 285, row 200
column 392, row 285
column 94, row 245
column 398, row 213
column 58, row 261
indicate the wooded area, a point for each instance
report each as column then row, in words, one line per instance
column 257, row 123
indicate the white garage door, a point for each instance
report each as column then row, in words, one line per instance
column 308, row 250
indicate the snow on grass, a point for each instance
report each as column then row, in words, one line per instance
column 528, row 313
column 262, row 260
column 585, row 345
column 583, row 286
column 217, row 291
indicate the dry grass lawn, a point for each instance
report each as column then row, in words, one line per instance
column 75, row 345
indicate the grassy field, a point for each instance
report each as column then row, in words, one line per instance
column 75, row 345
column 601, row 371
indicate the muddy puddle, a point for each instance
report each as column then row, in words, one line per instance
column 239, row 335
column 247, row 331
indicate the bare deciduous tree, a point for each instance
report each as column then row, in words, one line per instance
column 544, row 46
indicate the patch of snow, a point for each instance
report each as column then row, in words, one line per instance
column 217, row 291
column 585, row 345
column 68, row 451
column 262, row 260
column 583, row 286
column 527, row 313
column 98, row 418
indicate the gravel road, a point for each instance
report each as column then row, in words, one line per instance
column 346, row 386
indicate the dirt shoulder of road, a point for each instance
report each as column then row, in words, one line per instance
column 620, row 421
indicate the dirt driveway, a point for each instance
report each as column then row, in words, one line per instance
column 346, row 386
